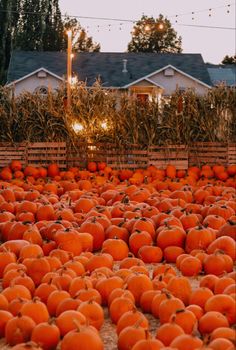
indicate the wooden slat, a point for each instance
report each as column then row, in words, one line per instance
column 210, row 153
column 47, row 145
column 231, row 154
column 131, row 156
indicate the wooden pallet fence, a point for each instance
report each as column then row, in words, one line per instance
column 131, row 156
column 44, row 153
column 208, row 153
column 176, row 155
column 10, row 152
column 77, row 155
column 231, row 159
column 128, row 157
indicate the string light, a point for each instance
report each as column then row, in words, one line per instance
column 118, row 19
column 122, row 22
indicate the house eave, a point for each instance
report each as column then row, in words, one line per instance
column 163, row 68
column 32, row 73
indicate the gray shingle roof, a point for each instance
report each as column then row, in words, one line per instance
column 222, row 74
column 108, row 66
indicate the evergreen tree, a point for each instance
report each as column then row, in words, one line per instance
column 154, row 35
column 41, row 26
column 9, row 16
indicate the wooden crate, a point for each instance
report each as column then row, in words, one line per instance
column 127, row 157
column 44, row 153
column 10, row 152
column 176, row 155
column 131, row 157
column 208, row 153
column 231, row 159
column 77, row 155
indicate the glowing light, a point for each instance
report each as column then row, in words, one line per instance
column 147, row 27
column 72, row 56
column 104, row 125
column 161, row 26
column 77, row 127
column 74, row 80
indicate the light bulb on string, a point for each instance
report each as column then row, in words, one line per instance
column 228, row 9
column 147, row 28
column 192, row 15
column 209, row 13
column 109, row 27
column 176, row 18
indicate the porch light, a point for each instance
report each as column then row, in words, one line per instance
column 74, row 80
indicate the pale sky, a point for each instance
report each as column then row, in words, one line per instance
column 114, row 36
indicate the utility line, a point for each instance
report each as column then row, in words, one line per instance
column 203, row 26
column 117, row 19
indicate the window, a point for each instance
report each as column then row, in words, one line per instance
column 42, row 90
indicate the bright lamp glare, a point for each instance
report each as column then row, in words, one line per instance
column 104, row 125
column 77, row 127
column 147, row 27
column 74, row 80
column 161, row 26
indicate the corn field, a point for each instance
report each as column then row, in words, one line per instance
column 37, row 118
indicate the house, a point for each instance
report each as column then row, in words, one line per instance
column 143, row 74
column 222, row 74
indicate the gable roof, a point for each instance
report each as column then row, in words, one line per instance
column 35, row 72
column 108, row 66
column 148, row 77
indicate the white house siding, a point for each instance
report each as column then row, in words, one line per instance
column 145, row 83
column 170, row 83
column 33, row 82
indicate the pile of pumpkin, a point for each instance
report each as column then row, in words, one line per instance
column 157, row 242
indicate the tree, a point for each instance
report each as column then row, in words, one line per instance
column 154, row 35
column 9, row 15
column 40, row 27
column 36, row 25
column 229, row 59
column 81, row 42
